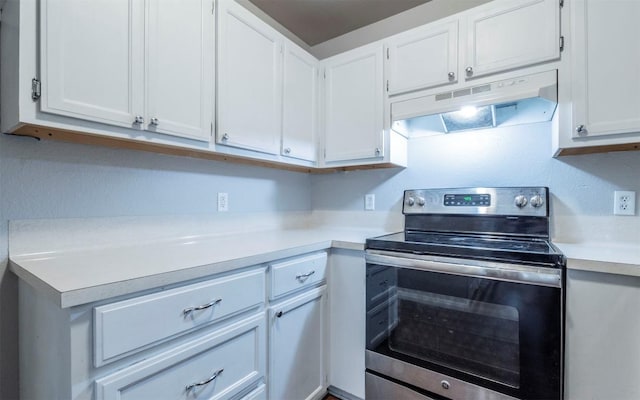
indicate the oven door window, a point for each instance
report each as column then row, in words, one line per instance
column 502, row 335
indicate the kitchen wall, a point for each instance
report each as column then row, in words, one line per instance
column 581, row 186
column 58, row 180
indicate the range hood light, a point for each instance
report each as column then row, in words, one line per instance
column 468, row 111
column 467, row 118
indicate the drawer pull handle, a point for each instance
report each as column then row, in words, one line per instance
column 206, row 381
column 189, row 310
column 279, row 314
column 303, row 277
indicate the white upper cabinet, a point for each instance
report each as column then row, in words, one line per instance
column 510, row 34
column 424, row 58
column 354, row 123
column 606, row 68
column 180, row 69
column 249, row 81
column 300, row 103
column 94, row 56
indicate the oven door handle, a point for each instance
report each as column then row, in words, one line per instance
column 473, row 268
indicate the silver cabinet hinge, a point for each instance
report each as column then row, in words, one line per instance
column 387, row 53
column 561, row 43
column 35, row 89
column 561, row 3
column 213, row 7
column 387, row 85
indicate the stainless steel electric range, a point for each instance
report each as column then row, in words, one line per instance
column 467, row 302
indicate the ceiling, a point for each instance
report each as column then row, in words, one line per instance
column 316, row 21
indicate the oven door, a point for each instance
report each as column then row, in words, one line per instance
column 465, row 329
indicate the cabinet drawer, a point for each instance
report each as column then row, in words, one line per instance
column 216, row 366
column 128, row 326
column 300, row 272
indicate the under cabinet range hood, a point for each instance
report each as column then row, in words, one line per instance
column 515, row 101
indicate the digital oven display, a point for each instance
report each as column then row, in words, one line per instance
column 473, row 200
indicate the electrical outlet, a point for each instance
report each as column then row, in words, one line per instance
column 370, row 202
column 223, row 202
column 624, row 202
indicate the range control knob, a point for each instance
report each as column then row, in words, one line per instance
column 421, row 201
column 536, row 201
column 411, row 201
column 520, row 201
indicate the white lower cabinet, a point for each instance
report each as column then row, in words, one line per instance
column 215, row 366
column 296, row 347
column 602, row 357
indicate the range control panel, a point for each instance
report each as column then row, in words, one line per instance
column 525, row 201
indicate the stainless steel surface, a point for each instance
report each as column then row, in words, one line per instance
column 502, row 201
column 377, row 388
column 536, row 201
column 139, row 119
column 520, row 201
column 428, row 380
column 303, row 277
column 154, row 121
column 541, row 276
column 225, row 136
column 206, row 381
column 189, row 310
column 469, row 70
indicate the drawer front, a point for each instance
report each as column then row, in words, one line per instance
column 128, row 326
column 260, row 393
column 217, row 366
column 297, row 273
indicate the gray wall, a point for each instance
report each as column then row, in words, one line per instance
column 58, row 180
column 516, row 156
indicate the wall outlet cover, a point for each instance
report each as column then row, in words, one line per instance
column 624, row 202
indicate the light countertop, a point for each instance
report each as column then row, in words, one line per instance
column 621, row 259
column 76, row 277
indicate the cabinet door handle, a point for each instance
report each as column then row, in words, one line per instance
column 303, row 277
column 225, row 137
column 581, row 129
column 378, row 151
column 154, row 121
column 469, row 71
column 287, row 150
column 279, row 314
column 189, row 310
column 451, row 75
column 139, row 119
column 206, row 381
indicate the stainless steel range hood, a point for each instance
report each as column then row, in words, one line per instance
column 514, row 101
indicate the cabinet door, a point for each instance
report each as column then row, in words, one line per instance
column 296, row 347
column 92, row 58
column 512, row 34
column 300, row 107
column 249, row 81
column 424, row 58
column 606, row 78
column 179, row 66
column 602, row 336
column 353, row 105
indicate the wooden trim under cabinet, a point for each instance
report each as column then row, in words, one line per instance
column 573, row 151
column 70, row 136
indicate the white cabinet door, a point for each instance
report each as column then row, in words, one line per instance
column 347, row 314
column 353, row 106
column 296, row 347
column 605, row 67
column 180, row 69
column 424, row 58
column 602, row 353
column 92, row 59
column 249, row 81
column 300, row 103
column 512, row 34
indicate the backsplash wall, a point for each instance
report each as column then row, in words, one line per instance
column 581, row 186
column 59, row 180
